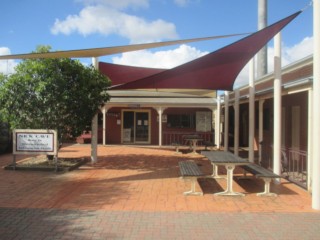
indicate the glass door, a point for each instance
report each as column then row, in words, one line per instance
column 135, row 126
column 128, row 127
column 142, row 127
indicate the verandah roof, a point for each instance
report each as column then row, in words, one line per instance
column 215, row 71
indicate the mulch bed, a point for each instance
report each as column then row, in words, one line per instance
column 41, row 163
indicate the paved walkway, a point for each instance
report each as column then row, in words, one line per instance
column 136, row 193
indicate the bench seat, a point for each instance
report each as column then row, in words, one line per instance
column 177, row 145
column 189, row 170
column 209, row 144
column 263, row 173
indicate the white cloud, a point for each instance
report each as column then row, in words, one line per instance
column 159, row 59
column 289, row 55
column 181, row 3
column 298, row 51
column 184, row 3
column 6, row 66
column 108, row 20
column 118, row 4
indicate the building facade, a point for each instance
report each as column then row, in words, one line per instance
column 296, row 102
column 156, row 118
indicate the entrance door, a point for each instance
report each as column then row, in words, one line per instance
column 135, row 126
column 128, row 127
column 142, row 127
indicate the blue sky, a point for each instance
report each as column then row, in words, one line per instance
column 82, row 24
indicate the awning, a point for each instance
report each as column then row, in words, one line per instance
column 217, row 70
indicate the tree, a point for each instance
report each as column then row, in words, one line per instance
column 53, row 93
column 4, row 129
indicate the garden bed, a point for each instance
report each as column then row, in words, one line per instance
column 41, row 163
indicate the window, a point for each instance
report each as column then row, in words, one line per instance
column 181, row 121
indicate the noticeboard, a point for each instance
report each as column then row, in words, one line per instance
column 203, row 121
column 35, row 141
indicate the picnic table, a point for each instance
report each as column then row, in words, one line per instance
column 229, row 161
column 193, row 139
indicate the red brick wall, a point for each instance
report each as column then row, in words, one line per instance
column 113, row 130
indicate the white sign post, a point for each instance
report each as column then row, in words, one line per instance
column 35, row 141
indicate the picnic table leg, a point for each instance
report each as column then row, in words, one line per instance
column 194, row 146
column 267, row 192
column 215, row 171
column 193, row 188
column 177, row 149
column 229, row 191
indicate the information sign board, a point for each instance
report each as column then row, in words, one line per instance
column 35, row 141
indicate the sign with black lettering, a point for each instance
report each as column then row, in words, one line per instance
column 27, row 141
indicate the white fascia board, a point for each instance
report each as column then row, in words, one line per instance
column 163, row 102
column 289, row 68
column 192, row 93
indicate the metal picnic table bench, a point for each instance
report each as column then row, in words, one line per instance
column 263, row 173
column 189, row 170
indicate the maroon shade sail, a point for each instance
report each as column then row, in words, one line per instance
column 120, row 74
column 215, row 71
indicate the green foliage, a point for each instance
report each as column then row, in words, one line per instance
column 59, row 94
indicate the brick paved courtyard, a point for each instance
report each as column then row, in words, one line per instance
column 135, row 193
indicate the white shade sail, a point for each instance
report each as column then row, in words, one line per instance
column 98, row 52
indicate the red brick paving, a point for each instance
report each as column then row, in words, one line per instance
column 131, row 178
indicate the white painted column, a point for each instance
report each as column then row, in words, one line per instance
column 310, row 140
column 94, row 139
column 277, row 105
column 261, row 102
column 94, row 126
column 236, row 122
column 226, row 121
column 160, row 111
column 251, row 109
column 217, row 126
column 316, row 108
column 104, row 111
